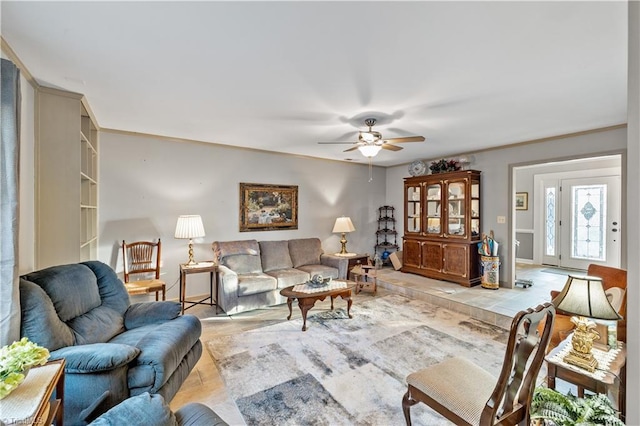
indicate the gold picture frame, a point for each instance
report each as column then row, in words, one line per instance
column 522, row 201
column 265, row 207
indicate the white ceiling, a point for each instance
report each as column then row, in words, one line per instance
column 283, row 76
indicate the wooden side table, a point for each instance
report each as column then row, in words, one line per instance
column 605, row 378
column 31, row 402
column 199, row 268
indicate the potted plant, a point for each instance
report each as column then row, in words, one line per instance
column 15, row 361
column 551, row 407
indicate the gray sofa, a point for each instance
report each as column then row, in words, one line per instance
column 252, row 273
column 113, row 349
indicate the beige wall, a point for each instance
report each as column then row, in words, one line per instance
column 633, row 227
column 147, row 182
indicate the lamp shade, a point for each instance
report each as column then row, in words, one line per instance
column 343, row 224
column 585, row 296
column 369, row 150
column 189, row 226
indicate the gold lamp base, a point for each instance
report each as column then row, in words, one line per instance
column 343, row 241
column 582, row 343
column 586, row 362
column 191, row 261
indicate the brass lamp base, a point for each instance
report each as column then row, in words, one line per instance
column 343, row 241
column 581, row 344
column 584, row 361
column 191, row 261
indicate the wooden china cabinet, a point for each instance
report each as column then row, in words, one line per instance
column 442, row 226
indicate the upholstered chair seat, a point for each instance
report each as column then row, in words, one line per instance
column 468, row 395
column 442, row 382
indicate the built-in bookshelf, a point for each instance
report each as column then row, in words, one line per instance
column 66, row 179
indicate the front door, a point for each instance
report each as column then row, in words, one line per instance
column 590, row 222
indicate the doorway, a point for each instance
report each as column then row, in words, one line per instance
column 581, row 220
column 574, row 213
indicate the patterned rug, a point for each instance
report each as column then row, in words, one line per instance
column 348, row 371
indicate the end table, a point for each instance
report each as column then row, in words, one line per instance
column 610, row 375
column 198, row 268
column 31, row 402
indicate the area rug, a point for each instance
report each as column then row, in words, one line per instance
column 345, row 371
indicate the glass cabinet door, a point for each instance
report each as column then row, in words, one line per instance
column 414, row 209
column 475, row 210
column 456, row 214
column 434, row 208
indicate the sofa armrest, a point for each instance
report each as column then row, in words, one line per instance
column 140, row 314
column 196, row 414
column 95, row 357
column 340, row 263
column 143, row 409
column 227, row 288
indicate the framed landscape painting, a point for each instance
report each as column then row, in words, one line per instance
column 266, row 207
column 522, row 200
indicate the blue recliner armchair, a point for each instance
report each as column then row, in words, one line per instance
column 113, row 349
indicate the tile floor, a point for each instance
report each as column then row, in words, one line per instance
column 205, row 385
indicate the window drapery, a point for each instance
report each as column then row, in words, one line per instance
column 9, row 196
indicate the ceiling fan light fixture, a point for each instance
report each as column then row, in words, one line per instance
column 367, row 137
column 369, row 151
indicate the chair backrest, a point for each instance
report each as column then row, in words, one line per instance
column 614, row 277
column 141, row 257
column 72, row 304
column 511, row 398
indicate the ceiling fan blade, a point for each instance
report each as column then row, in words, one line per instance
column 351, row 149
column 337, row 143
column 390, row 147
column 405, row 139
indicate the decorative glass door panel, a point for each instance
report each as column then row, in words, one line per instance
column 434, row 209
column 414, row 209
column 456, row 213
column 588, row 222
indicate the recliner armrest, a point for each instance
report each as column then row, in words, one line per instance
column 140, row 314
column 95, row 357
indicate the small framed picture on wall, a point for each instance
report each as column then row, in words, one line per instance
column 522, row 200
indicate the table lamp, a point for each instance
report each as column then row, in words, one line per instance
column 343, row 225
column 190, row 227
column 584, row 297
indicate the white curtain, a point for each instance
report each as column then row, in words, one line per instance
column 9, row 161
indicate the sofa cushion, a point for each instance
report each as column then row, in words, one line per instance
column 243, row 256
column 305, row 251
column 255, row 283
column 325, row 271
column 40, row 322
column 275, row 255
column 288, row 277
column 243, row 264
column 97, row 326
column 56, row 282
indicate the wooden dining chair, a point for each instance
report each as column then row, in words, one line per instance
column 142, row 259
column 467, row 394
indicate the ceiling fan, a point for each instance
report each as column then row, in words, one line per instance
column 370, row 142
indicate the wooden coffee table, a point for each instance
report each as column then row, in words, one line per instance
column 307, row 300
